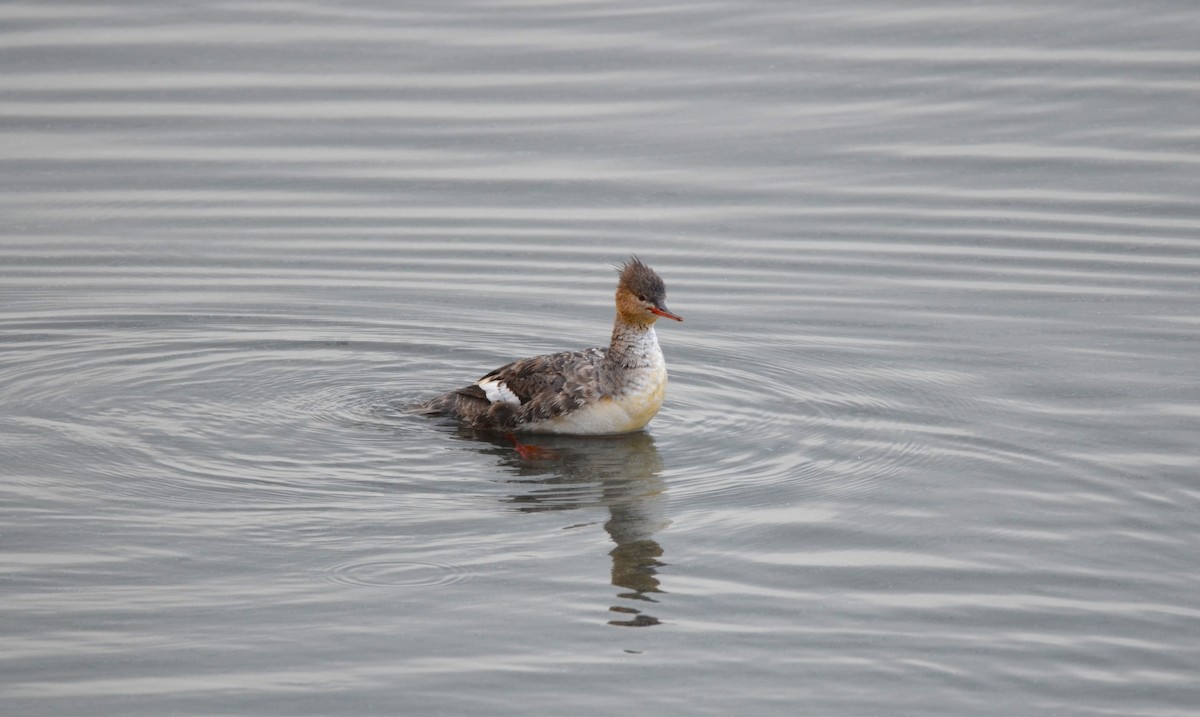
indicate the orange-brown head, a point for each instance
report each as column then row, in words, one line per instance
column 641, row 294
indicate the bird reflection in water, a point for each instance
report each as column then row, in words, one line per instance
column 621, row 473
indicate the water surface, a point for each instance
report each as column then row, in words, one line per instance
column 930, row 441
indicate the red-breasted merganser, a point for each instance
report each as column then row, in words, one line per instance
column 599, row 390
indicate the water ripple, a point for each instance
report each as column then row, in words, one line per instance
column 932, row 417
column 401, row 574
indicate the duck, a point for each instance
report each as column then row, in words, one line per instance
column 600, row 390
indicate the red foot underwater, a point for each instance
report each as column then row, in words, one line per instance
column 530, row 452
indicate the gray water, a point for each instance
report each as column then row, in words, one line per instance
column 930, row 443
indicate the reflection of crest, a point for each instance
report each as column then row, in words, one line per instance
column 621, row 473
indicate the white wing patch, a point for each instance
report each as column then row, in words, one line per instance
column 497, row 392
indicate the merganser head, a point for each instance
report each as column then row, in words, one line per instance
column 641, row 294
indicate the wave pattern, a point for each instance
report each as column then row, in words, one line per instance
column 932, row 417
